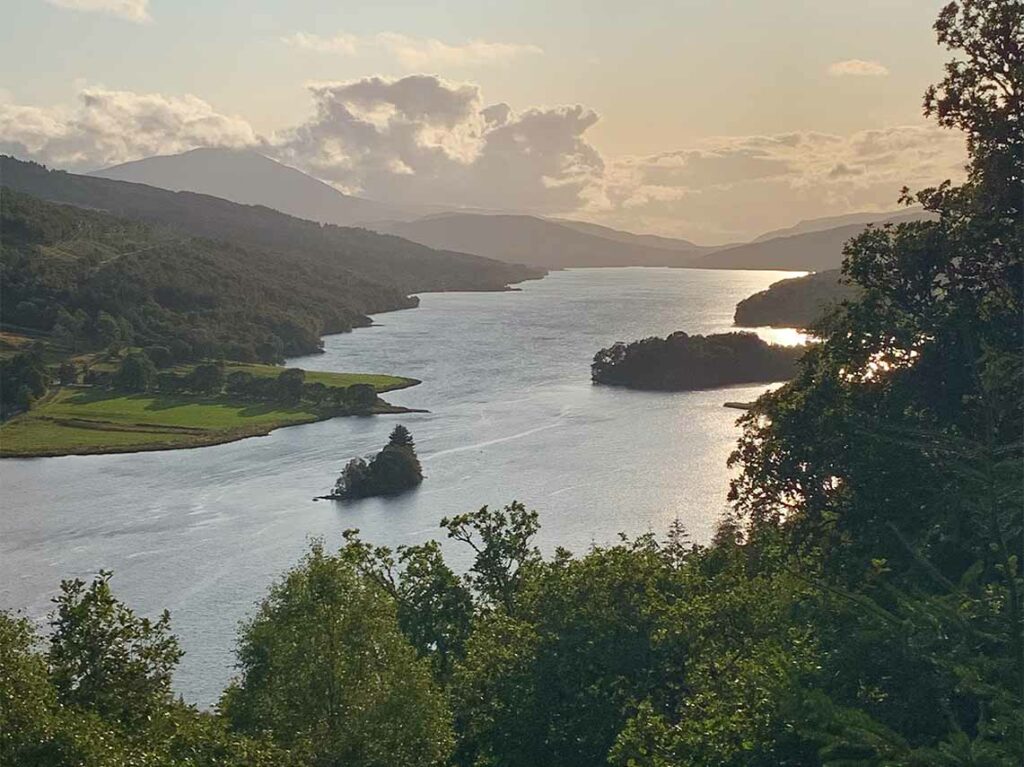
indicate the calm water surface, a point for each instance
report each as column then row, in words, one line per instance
column 512, row 416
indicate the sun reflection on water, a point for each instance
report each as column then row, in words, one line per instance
column 782, row 336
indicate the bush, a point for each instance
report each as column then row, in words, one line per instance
column 207, row 378
column 361, row 397
column 289, row 385
column 136, row 374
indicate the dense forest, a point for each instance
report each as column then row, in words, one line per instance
column 130, row 266
column 123, row 264
column 798, row 302
column 92, row 280
column 861, row 605
column 683, row 362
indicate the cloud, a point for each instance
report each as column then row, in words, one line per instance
column 415, row 53
column 422, row 139
column 732, row 188
column 107, row 127
column 343, row 44
column 131, row 10
column 857, row 68
column 412, row 52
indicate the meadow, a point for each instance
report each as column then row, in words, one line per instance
column 82, row 421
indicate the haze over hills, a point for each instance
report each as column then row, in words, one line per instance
column 815, row 250
column 250, row 178
column 629, row 238
column 832, row 222
column 403, row 266
column 538, row 241
column 558, row 244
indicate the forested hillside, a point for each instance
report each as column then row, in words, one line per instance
column 798, row 302
column 389, row 261
column 93, row 280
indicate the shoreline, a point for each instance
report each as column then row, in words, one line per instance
column 198, row 436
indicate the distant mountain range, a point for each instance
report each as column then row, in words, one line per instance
column 365, row 271
column 628, row 238
column 812, row 251
column 245, row 176
column 834, row 222
column 541, row 242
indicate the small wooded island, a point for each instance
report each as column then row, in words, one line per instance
column 393, row 470
column 682, row 362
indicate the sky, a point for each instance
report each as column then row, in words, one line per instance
column 713, row 120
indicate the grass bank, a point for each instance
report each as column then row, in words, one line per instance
column 83, row 421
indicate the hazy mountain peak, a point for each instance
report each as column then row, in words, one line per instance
column 537, row 241
column 808, row 225
column 249, row 177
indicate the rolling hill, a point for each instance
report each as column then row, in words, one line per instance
column 538, row 241
column 794, row 303
column 832, row 222
column 367, row 257
column 248, row 177
column 559, row 244
column 85, row 277
column 812, row 251
column 629, row 238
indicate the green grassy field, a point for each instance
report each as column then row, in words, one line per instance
column 77, row 421
column 381, row 383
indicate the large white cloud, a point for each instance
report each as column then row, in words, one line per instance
column 108, row 127
column 422, row 139
column 132, row 10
